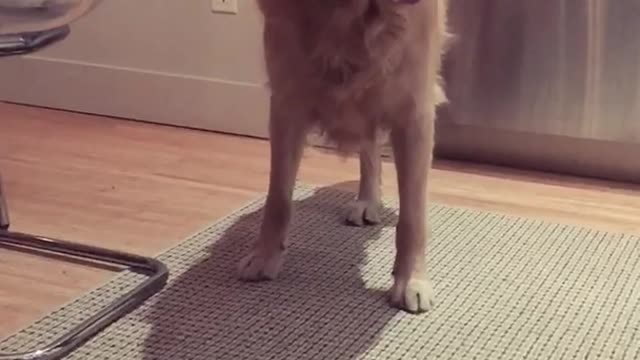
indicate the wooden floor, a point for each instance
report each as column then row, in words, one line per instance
column 144, row 188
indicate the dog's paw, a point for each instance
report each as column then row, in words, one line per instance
column 412, row 295
column 260, row 266
column 363, row 212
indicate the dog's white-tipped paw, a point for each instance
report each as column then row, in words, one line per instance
column 363, row 212
column 412, row 295
column 260, row 266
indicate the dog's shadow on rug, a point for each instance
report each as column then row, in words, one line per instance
column 319, row 308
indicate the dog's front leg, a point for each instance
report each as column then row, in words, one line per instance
column 412, row 145
column 287, row 143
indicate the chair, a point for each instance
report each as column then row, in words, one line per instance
column 27, row 26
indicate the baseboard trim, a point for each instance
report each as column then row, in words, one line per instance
column 591, row 158
column 172, row 99
column 208, row 104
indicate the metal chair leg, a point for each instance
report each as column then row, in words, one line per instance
column 156, row 271
column 4, row 209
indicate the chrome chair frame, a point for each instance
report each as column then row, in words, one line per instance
column 157, row 273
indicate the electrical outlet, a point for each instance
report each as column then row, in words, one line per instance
column 224, row 6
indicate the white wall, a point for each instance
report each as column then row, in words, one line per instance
column 164, row 61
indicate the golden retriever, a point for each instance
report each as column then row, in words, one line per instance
column 354, row 69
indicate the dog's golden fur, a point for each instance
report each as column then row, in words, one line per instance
column 352, row 69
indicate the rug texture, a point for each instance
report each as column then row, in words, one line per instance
column 507, row 288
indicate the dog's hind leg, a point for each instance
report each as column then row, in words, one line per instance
column 287, row 142
column 366, row 208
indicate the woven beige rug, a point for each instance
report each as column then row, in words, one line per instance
column 507, row 288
